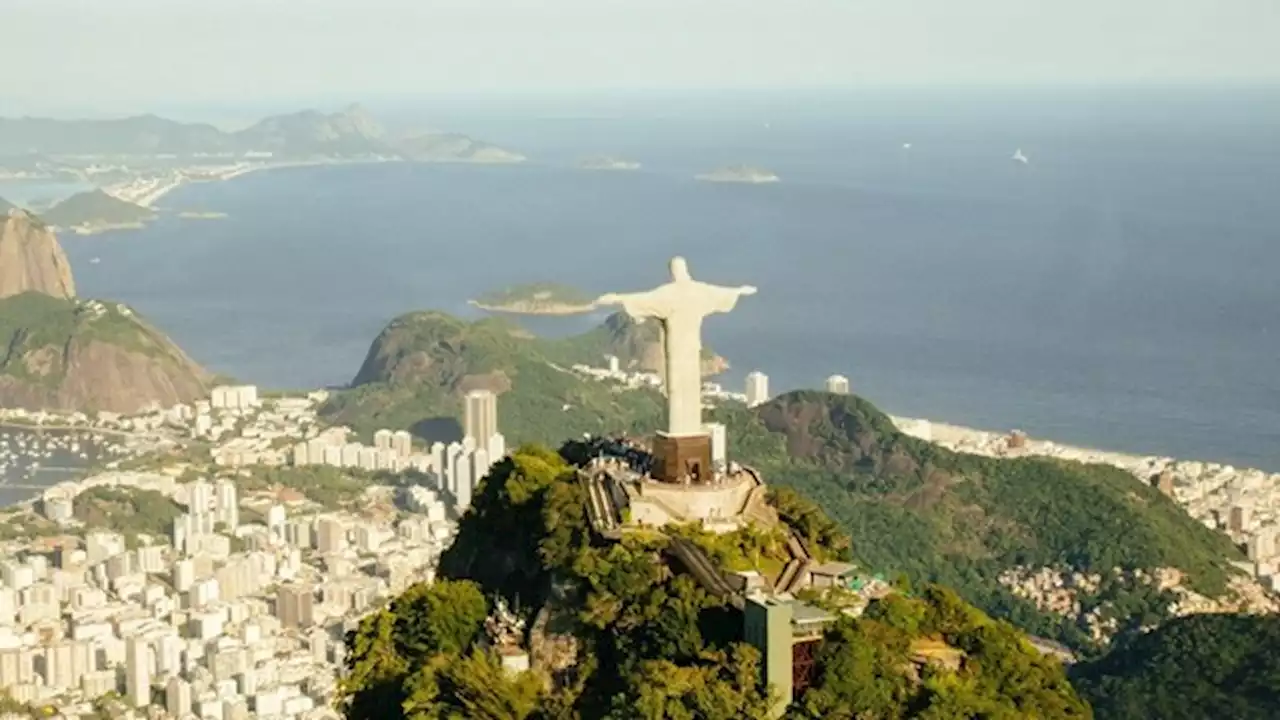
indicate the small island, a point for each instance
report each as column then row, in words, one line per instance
column 739, row 174
column 453, row 148
column 198, row 215
column 535, row 299
column 607, row 162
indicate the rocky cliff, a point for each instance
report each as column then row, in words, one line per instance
column 59, row 354
column 638, row 345
column 31, row 259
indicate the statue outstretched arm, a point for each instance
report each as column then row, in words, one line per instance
column 639, row 305
column 722, row 299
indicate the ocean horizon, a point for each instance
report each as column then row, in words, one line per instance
column 1116, row 291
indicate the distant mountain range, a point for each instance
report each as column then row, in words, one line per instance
column 350, row 132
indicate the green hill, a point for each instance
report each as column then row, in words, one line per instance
column 420, row 367
column 95, row 208
column 1192, row 668
column 87, row 356
column 6, row 206
column 129, row 511
column 617, row 632
column 936, row 515
column 911, row 507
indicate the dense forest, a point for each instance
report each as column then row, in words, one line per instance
column 1190, row 668
column 934, row 515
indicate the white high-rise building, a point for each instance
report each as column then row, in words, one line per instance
column 276, row 519
column 402, row 443
column 757, row 388
column 438, row 460
column 497, row 447
column 177, row 697
column 479, row 459
column 234, row 397
column 183, row 575
column 382, row 439
column 137, row 672
column 719, row 445
column 199, row 497
column 454, row 453
column 838, row 384
column 614, row 366
column 480, row 415
column 228, row 504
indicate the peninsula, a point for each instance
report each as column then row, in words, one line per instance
column 96, row 211
column 607, row 162
column 739, row 174
column 535, row 299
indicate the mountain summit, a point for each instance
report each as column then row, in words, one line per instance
column 31, row 259
column 59, row 353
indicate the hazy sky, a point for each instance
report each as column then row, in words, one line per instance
column 122, row 54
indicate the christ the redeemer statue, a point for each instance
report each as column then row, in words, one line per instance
column 680, row 305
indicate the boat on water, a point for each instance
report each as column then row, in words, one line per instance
column 1019, row 157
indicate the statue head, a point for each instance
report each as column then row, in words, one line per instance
column 679, row 269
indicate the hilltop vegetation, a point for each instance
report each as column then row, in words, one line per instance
column 67, row 354
column 128, row 511
column 638, row 639
column 960, row 520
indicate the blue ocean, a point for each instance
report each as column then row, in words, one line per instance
column 1116, row 290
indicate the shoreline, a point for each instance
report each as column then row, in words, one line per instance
column 157, row 188
column 1238, row 502
column 154, row 189
column 981, row 441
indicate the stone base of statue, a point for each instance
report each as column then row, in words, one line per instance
column 682, row 458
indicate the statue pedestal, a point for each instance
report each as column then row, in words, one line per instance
column 680, row 457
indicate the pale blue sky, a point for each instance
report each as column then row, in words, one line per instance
column 134, row 54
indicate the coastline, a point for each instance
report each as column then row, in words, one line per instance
column 146, row 193
column 993, row 443
column 1239, row 502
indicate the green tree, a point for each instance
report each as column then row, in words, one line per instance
column 394, row 645
column 1200, row 666
column 720, row 686
column 472, row 687
column 442, row 617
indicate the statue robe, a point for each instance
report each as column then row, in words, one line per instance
column 680, row 305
